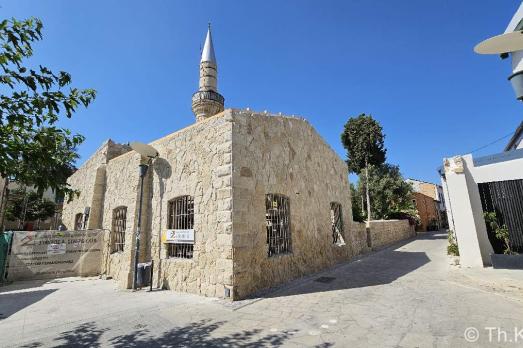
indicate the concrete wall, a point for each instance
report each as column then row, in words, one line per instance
column 462, row 175
column 284, row 155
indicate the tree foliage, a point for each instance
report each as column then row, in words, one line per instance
column 33, row 150
column 363, row 139
column 389, row 191
column 29, row 206
column 357, row 209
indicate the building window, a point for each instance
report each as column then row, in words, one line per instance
column 277, row 217
column 181, row 217
column 118, row 230
column 79, row 222
column 337, row 224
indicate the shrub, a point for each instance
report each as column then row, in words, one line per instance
column 452, row 248
column 411, row 215
column 501, row 232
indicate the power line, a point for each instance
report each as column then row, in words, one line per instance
column 492, row 143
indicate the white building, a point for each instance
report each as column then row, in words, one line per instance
column 494, row 183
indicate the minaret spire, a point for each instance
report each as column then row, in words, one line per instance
column 208, row 48
column 207, row 101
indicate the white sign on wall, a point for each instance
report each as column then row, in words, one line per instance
column 56, row 249
column 179, row 236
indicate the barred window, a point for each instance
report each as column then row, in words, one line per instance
column 79, row 222
column 118, row 229
column 337, row 224
column 181, row 217
column 277, row 218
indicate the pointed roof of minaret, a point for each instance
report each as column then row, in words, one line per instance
column 208, row 48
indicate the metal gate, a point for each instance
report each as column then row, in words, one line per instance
column 505, row 198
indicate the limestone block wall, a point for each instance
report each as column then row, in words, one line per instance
column 122, row 189
column 89, row 179
column 385, row 232
column 195, row 161
column 360, row 238
column 284, row 155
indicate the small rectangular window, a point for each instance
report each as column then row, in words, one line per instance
column 181, row 217
column 277, row 218
column 337, row 224
column 79, row 222
column 118, row 229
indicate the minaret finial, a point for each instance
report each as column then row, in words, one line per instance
column 208, row 48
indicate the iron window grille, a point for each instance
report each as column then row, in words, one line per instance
column 277, row 218
column 118, row 230
column 336, row 224
column 79, row 222
column 181, row 217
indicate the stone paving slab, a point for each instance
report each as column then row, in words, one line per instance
column 404, row 296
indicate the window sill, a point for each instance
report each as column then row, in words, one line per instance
column 277, row 256
column 178, row 259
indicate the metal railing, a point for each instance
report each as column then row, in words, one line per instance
column 181, row 217
column 277, row 218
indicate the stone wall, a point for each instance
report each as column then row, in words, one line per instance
column 361, row 242
column 284, row 155
column 89, row 179
column 196, row 161
column 227, row 163
column 122, row 188
column 386, row 232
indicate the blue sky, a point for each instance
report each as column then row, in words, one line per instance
column 409, row 63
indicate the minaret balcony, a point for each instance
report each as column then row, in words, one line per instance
column 207, row 95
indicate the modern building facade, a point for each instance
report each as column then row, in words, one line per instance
column 492, row 184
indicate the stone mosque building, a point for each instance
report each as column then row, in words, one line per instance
column 235, row 203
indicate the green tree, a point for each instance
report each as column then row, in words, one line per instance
column 363, row 139
column 34, row 150
column 390, row 193
column 28, row 206
column 358, row 213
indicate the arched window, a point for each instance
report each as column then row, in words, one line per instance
column 337, row 224
column 118, row 229
column 277, row 218
column 181, row 217
column 79, row 222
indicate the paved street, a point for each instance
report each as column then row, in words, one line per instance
column 406, row 296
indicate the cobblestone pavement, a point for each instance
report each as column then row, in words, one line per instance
column 404, row 296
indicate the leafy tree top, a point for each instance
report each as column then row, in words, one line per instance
column 363, row 138
column 34, row 151
column 391, row 193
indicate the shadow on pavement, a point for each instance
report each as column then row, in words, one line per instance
column 432, row 235
column 197, row 334
column 379, row 269
column 11, row 303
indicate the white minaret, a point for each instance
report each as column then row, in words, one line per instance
column 207, row 101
